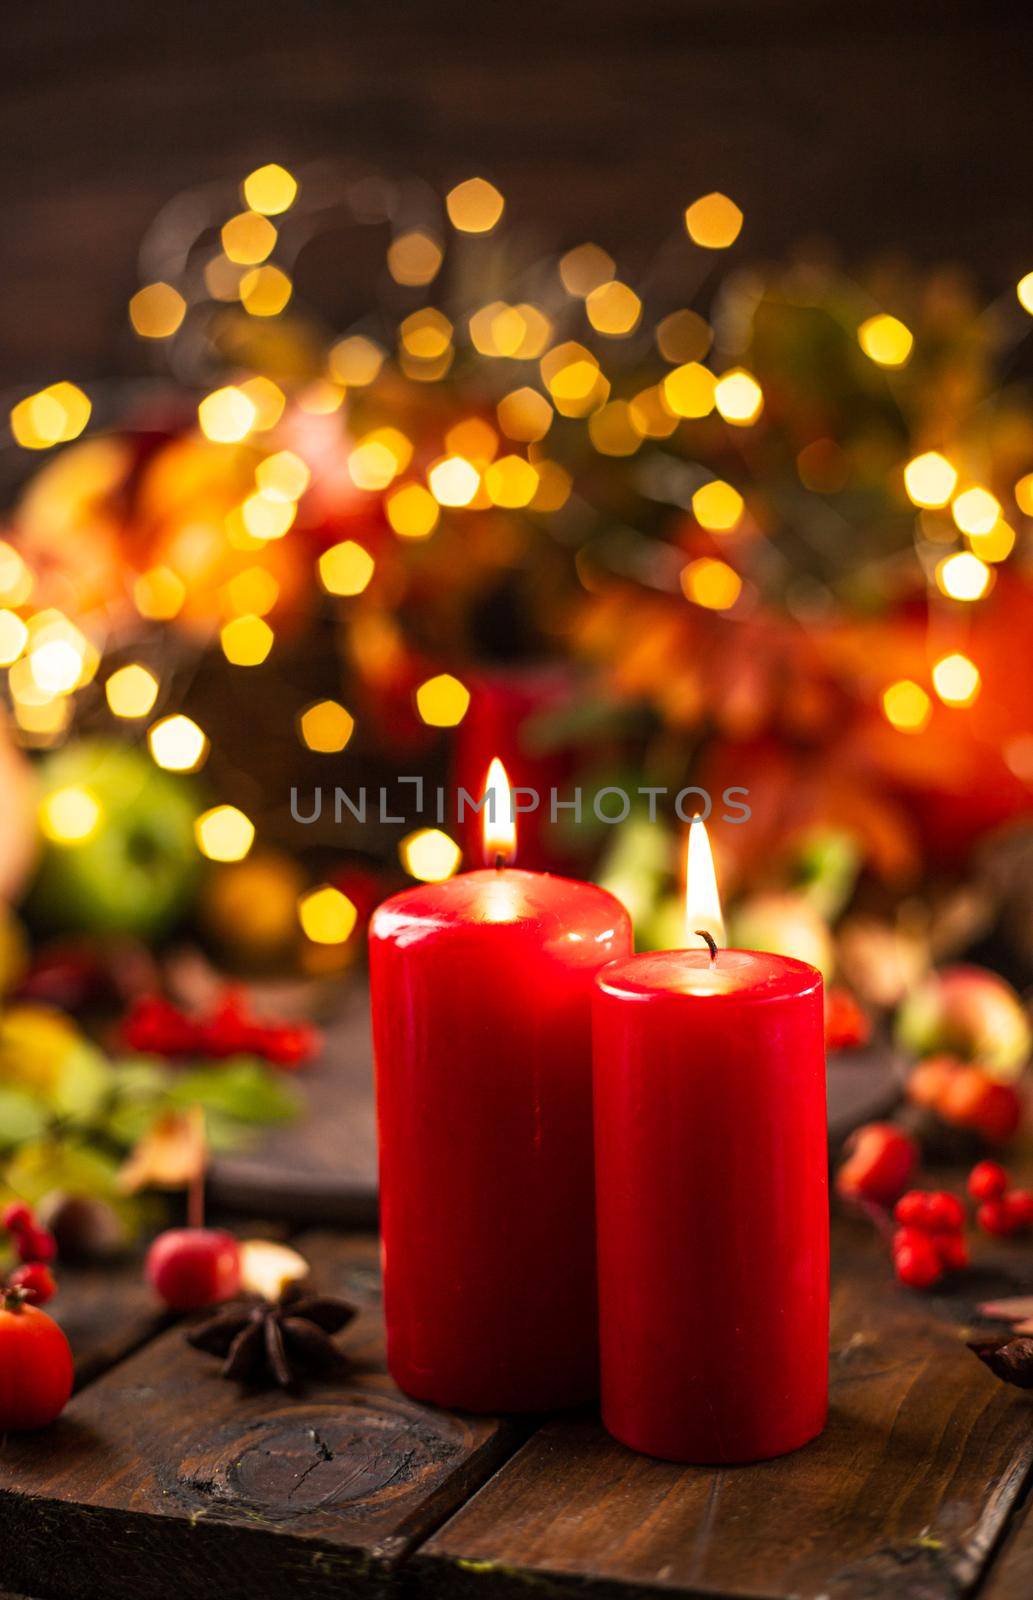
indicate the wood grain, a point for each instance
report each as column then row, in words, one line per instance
column 324, row 1166
column 107, row 1312
column 905, row 1493
column 161, row 1475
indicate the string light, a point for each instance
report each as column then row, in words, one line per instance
column 69, row 816
column 246, row 641
column 227, row 415
column 412, row 511
column 55, row 415
column 738, row 397
column 975, row 511
column 717, row 506
column 711, row 583
column 453, row 481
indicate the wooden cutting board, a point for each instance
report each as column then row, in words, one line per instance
column 323, row 1167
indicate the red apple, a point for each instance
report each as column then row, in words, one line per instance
column 192, row 1267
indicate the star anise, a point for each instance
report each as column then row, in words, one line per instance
column 277, row 1341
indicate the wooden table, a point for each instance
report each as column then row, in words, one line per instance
column 163, row 1480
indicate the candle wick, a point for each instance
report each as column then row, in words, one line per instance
column 500, row 861
column 710, row 940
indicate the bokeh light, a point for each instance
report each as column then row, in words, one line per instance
column 906, row 705
column 430, row 855
column 131, row 691
column 346, row 568
column 177, row 744
column 326, row 727
column 224, row 833
column 474, row 206
column 713, row 221
column 711, row 583
column 326, row 915
column 442, row 702
column 270, row 189
column 885, row 340
column 956, row 679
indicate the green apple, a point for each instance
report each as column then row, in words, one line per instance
column 969, row 1012
column 119, row 851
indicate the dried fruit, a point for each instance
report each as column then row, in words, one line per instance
column 1011, row 1360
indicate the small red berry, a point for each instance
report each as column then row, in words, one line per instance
column 912, row 1209
column 916, row 1261
column 880, row 1161
column 945, row 1212
column 993, row 1217
column 37, row 1281
column 36, row 1244
column 907, row 1236
column 17, row 1216
column 987, row 1180
column 1018, row 1203
column 952, row 1251
column 191, row 1267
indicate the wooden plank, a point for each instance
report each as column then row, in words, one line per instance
column 162, row 1477
column 905, row 1493
column 323, row 1166
column 1011, row 1573
column 107, row 1312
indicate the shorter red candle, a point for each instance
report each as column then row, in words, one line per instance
column 712, row 1203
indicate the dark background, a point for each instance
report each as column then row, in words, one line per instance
column 879, row 126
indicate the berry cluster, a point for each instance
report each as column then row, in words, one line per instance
column 929, row 1240
column 34, row 1246
column 155, row 1026
column 965, row 1097
column 1000, row 1209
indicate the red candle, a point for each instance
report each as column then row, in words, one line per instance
column 481, row 992
column 712, row 1197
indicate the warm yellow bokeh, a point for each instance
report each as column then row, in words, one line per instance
column 14, row 636
column 69, row 816
column 248, row 238
column 414, row 258
column 930, row 479
column 412, row 511
column 224, row 833
column 156, row 311
column 430, row 855
column 326, row 915
column 907, row 706
column 717, row 506
column 739, row 397
column 345, row 568
column 613, row 308
column 963, row 576
column 442, row 702
column 511, row 482
column 326, row 727
column 265, row 291
column 584, row 268
column 246, row 641
column 711, row 583
column 688, row 391
column 474, row 206
column 525, row 415
column 131, row 691
column 454, row 481
column 885, row 340
column 956, row 679
column 270, row 189
column 713, row 221
column 356, row 361
column 159, row 594
column 975, row 510
column 227, row 415
column 177, row 744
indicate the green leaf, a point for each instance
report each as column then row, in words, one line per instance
column 21, row 1117
column 242, row 1088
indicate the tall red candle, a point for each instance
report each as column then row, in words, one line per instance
column 712, row 1198
column 481, row 993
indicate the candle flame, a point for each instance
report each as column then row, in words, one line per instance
column 702, row 901
column 498, row 818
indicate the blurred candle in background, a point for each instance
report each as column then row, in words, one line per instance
column 712, row 1195
column 481, row 995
